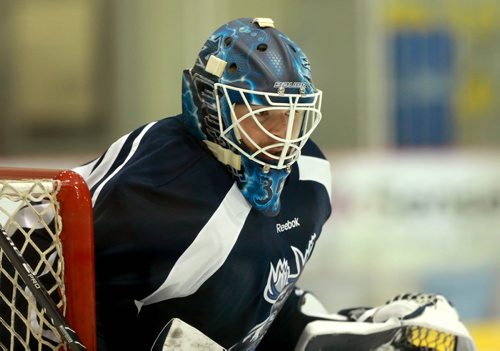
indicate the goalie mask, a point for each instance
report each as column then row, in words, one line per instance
column 250, row 99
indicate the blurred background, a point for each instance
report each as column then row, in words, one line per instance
column 411, row 123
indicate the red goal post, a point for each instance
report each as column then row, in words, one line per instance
column 71, row 200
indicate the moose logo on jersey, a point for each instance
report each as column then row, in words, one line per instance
column 280, row 275
column 280, row 284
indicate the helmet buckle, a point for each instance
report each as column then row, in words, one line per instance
column 215, row 66
column 263, row 22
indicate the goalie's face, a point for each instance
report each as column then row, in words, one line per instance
column 263, row 130
column 268, row 128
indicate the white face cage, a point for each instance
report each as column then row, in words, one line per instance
column 252, row 137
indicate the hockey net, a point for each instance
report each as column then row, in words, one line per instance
column 48, row 215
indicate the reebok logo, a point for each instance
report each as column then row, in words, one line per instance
column 288, row 225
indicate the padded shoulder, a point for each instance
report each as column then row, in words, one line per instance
column 311, row 149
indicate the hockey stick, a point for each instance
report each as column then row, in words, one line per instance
column 39, row 292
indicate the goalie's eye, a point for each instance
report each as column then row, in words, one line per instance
column 262, row 116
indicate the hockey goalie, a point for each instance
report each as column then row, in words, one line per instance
column 210, row 216
column 204, row 221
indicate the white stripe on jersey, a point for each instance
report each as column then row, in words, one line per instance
column 207, row 253
column 316, row 169
column 93, row 177
column 86, row 169
column 110, row 161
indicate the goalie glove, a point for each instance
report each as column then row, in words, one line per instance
column 406, row 322
column 429, row 321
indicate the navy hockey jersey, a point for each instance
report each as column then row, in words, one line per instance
column 174, row 237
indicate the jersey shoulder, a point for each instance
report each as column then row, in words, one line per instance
column 315, row 171
column 153, row 154
column 167, row 151
column 312, row 149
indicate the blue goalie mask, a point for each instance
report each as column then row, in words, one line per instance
column 251, row 100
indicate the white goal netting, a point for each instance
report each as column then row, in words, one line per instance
column 29, row 213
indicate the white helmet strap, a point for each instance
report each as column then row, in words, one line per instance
column 224, row 155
